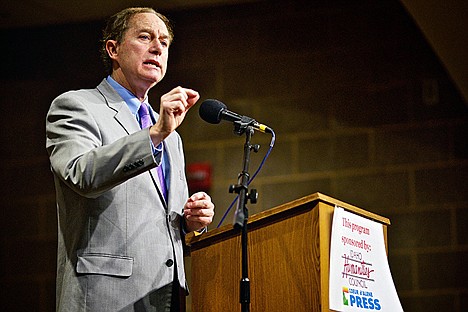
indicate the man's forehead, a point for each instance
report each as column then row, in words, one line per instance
column 147, row 21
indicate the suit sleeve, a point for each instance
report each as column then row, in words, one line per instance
column 82, row 158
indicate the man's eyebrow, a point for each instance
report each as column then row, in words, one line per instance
column 151, row 31
column 145, row 29
column 164, row 36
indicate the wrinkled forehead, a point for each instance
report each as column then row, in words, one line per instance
column 148, row 22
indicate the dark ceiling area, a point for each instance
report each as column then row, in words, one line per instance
column 443, row 23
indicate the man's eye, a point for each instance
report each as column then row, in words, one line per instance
column 145, row 37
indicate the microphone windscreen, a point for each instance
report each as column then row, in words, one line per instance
column 210, row 110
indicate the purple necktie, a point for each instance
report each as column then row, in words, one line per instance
column 145, row 122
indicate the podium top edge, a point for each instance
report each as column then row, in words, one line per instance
column 193, row 238
column 352, row 208
column 319, row 197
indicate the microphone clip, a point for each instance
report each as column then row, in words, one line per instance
column 241, row 125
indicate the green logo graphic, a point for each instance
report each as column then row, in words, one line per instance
column 345, row 300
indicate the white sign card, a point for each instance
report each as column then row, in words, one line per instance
column 360, row 278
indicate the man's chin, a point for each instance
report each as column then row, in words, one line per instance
column 153, row 79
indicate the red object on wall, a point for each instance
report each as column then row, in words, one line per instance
column 199, row 177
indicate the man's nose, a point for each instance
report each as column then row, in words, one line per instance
column 156, row 47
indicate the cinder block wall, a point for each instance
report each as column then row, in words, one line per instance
column 363, row 111
column 362, row 108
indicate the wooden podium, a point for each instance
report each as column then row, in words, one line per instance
column 288, row 247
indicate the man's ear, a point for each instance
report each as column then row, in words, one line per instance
column 111, row 48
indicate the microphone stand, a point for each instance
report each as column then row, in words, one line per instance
column 241, row 214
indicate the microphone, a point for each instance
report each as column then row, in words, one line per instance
column 213, row 111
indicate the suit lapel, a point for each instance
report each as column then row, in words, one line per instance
column 174, row 176
column 175, row 182
column 167, row 155
column 124, row 117
column 122, row 113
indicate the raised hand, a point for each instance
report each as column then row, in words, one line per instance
column 174, row 106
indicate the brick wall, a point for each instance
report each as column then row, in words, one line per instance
column 362, row 109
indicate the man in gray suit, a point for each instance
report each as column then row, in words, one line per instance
column 121, row 224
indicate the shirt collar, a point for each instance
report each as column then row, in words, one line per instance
column 132, row 101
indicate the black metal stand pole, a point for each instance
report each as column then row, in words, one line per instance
column 241, row 217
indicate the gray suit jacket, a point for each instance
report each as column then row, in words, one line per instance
column 118, row 240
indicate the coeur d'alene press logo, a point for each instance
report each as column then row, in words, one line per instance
column 360, row 299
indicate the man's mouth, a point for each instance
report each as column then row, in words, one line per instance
column 152, row 63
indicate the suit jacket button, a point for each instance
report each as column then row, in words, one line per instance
column 170, row 262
